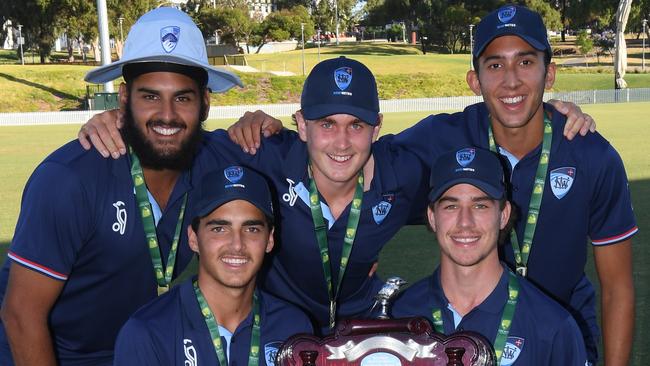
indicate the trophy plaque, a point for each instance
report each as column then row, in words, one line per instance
column 391, row 342
column 387, row 342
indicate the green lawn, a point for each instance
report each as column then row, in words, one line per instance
column 402, row 71
column 625, row 125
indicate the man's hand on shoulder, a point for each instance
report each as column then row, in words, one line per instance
column 576, row 120
column 247, row 131
column 103, row 132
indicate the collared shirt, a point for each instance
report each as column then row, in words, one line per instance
column 80, row 223
column 172, row 331
column 586, row 198
column 295, row 270
column 542, row 332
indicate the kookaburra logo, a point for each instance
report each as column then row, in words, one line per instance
column 120, row 214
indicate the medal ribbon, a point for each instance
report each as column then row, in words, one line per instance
column 163, row 279
column 348, row 241
column 506, row 317
column 213, row 327
column 522, row 252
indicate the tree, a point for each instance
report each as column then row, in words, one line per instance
column 284, row 24
column 551, row 16
column 585, row 44
column 234, row 22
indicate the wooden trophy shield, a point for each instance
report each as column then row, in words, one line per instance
column 387, row 342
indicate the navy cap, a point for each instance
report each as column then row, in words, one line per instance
column 234, row 183
column 512, row 20
column 478, row 167
column 340, row 86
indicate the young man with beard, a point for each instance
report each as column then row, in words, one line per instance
column 231, row 232
column 470, row 289
column 343, row 197
column 97, row 239
column 567, row 193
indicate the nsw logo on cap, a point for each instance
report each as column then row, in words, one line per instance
column 169, row 37
column 234, row 174
column 506, row 13
column 465, row 156
column 343, row 78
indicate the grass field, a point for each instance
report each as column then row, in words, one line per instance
column 402, row 71
column 626, row 126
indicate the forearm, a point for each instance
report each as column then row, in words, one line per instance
column 618, row 324
column 29, row 339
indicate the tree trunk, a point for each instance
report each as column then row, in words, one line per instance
column 620, row 57
column 96, row 51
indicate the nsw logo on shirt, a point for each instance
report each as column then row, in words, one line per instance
column 512, row 350
column 270, row 352
column 562, row 180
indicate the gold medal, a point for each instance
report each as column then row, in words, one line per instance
column 162, row 289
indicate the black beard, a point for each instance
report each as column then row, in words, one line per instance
column 151, row 158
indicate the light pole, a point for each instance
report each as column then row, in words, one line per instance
column 336, row 10
column 645, row 24
column 471, row 47
column 20, row 42
column 302, row 36
column 403, row 32
column 120, row 20
column 318, row 35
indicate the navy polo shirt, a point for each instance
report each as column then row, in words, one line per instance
column 542, row 332
column 295, row 271
column 586, row 198
column 171, row 331
column 79, row 223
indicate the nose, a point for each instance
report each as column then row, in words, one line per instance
column 465, row 217
column 167, row 110
column 342, row 139
column 237, row 244
column 511, row 77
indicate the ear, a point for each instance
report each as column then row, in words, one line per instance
column 192, row 240
column 206, row 101
column 473, row 82
column 505, row 215
column 377, row 128
column 124, row 96
column 302, row 126
column 271, row 242
column 550, row 76
column 432, row 218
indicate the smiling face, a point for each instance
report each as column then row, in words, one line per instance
column 231, row 243
column 467, row 223
column 163, row 113
column 339, row 145
column 511, row 78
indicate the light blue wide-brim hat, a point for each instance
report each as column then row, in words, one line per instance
column 166, row 35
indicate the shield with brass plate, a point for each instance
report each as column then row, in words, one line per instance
column 387, row 342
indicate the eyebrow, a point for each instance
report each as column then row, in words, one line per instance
column 178, row 92
column 222, row 222
column 519, row 54
column 453, row 199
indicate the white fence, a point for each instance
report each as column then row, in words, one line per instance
column 386, row 106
